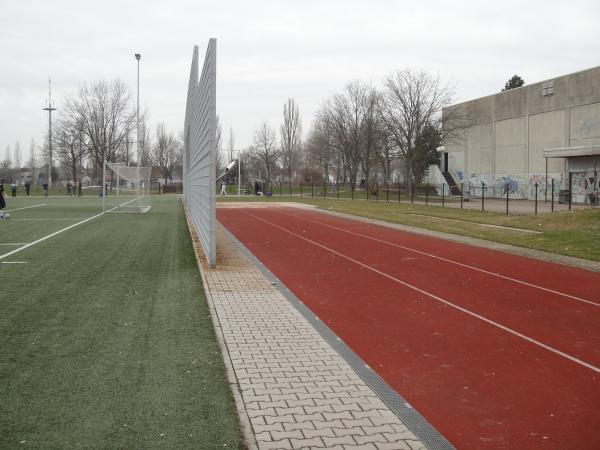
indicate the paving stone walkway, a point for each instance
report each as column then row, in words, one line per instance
column 296, row 391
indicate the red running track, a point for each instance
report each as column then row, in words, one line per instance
column 494, row 350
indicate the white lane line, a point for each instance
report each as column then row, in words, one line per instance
column 522, row 230
column 439, row 299
column 478, row 269
column 57, row 232
column 13, row 262
column 26, row 207
column 15, row 243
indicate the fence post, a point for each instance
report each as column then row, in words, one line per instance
column 352, row 191
column 443, row 189
column 301, row 189
column 462, row 197
column 412, row 193
column 570, row 189
column 426, row 194
column 536, row 196
column 507, row 199
column 290, row 188
column 482, row 196
column 552, row 199
column 367, row 188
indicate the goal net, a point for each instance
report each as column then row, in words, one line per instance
column 128, row 188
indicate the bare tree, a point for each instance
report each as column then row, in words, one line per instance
column 410, row 102
column 18, row 160
column 371, row 134
column 67, row 140
column 6, row 162
column 231, row 144
column 320, row 148
column 291, row 135
column 167, row 152
column 265, row 149
column 106, row 117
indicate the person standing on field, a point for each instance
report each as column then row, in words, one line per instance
column 45, row 186
column 79, row 189
column 2, row 202
column 27, row 188
column 13, row 188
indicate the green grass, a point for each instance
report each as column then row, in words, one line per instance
column 571, row 233
column 106, row 336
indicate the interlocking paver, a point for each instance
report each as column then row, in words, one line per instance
column 296, row 390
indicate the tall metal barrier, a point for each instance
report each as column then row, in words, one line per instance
column 200, row 152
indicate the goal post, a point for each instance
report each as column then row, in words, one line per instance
column 127, row 188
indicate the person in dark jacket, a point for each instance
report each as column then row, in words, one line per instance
column 2, row 202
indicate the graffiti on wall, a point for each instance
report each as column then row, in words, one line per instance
column 586, row 186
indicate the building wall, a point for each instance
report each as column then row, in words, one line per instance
column 505, row 134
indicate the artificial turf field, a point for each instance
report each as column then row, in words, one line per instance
column 106, row 337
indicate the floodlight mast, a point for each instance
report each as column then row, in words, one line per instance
column 50, row 108
column 138, row 56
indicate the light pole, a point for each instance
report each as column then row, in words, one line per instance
column 138, row 56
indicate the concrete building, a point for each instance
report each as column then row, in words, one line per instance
column 534, row 134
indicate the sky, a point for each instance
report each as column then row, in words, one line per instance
column 269, row 51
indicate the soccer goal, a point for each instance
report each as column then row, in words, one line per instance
column 127, row 188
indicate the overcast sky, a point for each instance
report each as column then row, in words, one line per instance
column 271, row 50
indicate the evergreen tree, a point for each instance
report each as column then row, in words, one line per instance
column 514, row 82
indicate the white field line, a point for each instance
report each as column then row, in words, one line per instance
column 478, row 269
column 522, row 230
column 13, row 262
column 15, row 243
column 54, row 234
column 439, row 299
column 42, row 219
column 26, row 207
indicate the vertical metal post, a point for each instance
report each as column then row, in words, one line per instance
column 290, row 188
column 570, row 188
column 352, row 190
column 552, row 199
column 462, row 197
column 482, row 196
column 536, row 196
column 104, row 186
column 507, row 199
column 300, row 189
column 546, row 183
column 426, row 194
column 443, row 195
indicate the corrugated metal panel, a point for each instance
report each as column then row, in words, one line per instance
column 200, row 152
